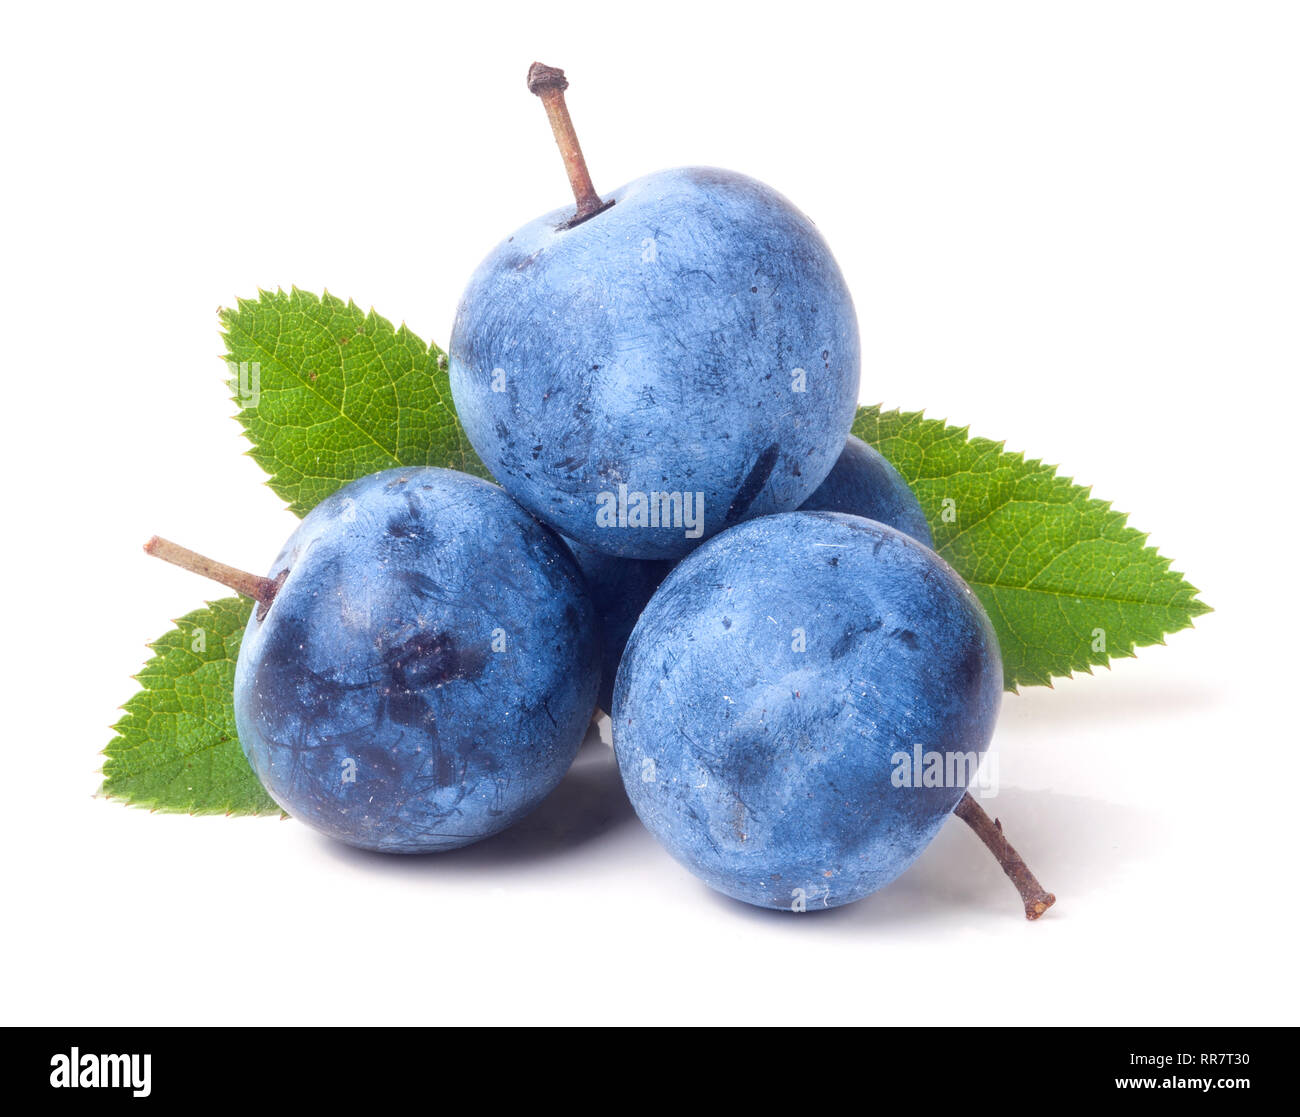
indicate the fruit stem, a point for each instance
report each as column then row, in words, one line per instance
column 1037, row 899
column 261, row 590
column 549, row 83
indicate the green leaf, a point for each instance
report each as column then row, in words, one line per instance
column 328, row 394
column 1067, row 584
column 175, row 747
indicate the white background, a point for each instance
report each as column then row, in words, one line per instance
column 1071, row 226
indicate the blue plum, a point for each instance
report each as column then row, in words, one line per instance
column 801, row 706
column 426, row 670
column 620, row 589
column 863, row 483
column 682, row 361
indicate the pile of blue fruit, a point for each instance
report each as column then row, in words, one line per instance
column 683, row 533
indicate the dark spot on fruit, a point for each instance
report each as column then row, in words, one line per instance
column 429, row 659
column 971, row 665
column 446, row 773
column 407, row 708
column 850, row 635
column 905, row 636
column 403, row 528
